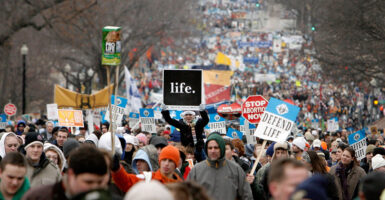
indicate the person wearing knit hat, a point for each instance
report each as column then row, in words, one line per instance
column 40, row 171
column 169, row 159
column 378, row 163
column 299, row 145
column 216, row 173
column 366, row 163
column 280, row 150
column 142, row 139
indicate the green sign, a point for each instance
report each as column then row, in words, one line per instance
column 111, row 45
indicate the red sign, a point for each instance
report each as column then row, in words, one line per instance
column 216, row 93
column 253, row 108
column 229, row 112
column 10, row 109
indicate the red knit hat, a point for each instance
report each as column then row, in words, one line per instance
column 170, row 152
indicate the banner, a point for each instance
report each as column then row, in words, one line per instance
column 67, row 98
column 182, row 89
column 70, row 118
column 222, row 59
column 277, row 121
column 264, row 77
column 234, row 133
column 147, row 120
column 133, row 119
column 217, row 85
column 357, row 141
column 216, row 124
column 52, row 111
column 217, row 77
column 133, row 95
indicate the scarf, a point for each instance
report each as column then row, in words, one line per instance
column 343, row 172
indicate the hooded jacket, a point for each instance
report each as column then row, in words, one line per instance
column 49, row 146
column 2, row 143
column 223, row 179
column 152, row 154
column 140, row 155
column 43, row 173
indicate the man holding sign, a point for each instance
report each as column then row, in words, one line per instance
column 182, row 90
column 191, row 129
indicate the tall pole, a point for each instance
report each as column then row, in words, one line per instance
column 23, row 85
column 23, row 52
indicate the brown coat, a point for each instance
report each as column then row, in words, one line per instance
column 353, row 180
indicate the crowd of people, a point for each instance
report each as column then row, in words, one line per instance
column 57, row 164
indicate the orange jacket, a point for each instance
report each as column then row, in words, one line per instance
column 125, row 181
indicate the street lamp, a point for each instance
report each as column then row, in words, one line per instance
column 24, row 52
column 67, row 69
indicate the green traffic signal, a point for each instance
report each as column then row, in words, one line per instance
column 313, row 28
column 257, row 5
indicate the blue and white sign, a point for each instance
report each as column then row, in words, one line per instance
column 147, row 120
column 247, row 129
column 234, row 133
column 118, row 108
column 277, row 121
column 216, row 124
column 157, row 112
column 3, row 121
column 332, row 124
column 357, row 141
column 133, row 119
column 315, row 123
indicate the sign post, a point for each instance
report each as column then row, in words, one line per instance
column 253, row 108
column 182, row 89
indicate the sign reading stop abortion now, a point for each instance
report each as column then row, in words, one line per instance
column 253, row 108
column 182, row 89
column 277, row 121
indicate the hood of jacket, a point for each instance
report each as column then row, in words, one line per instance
column 221, row 143
column 153, row 155
column 49, row 146
column 140, row 155
column 2, row 143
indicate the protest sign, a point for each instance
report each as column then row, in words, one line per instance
column 3, row 121
column 118, row 109
column 234, row 133
column 248, row 130
column 332, row 124
column 216, row 124
column 253, row 108
column 70, row 118
column 133, row 119
column 111, row 45
column 182, row 89
column 147, row 120
column 357, row 141
column 10, row 109
column 52, row 111
column 277, row 121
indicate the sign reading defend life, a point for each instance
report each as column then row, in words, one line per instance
column 147, row 120
column 182, row 89
column 277, row 121
column 357, row 141
column 70, row 118
column 253, row 108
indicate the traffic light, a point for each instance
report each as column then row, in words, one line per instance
column 257, row 5
column 375, row 102
column 313, row 28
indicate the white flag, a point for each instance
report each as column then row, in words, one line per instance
column 133, row 95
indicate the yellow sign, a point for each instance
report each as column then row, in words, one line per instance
column 70, row 118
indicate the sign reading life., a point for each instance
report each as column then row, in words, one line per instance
column 182, row 89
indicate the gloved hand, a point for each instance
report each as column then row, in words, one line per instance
column 202, row 107
column 163, row 107
column 115, row 165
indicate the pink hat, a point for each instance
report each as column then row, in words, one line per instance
column 142, row 138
